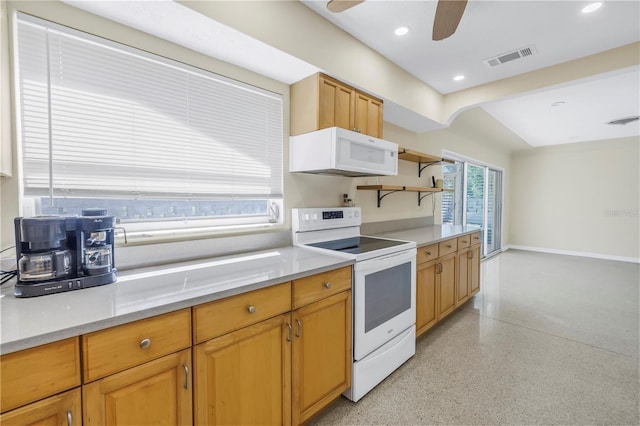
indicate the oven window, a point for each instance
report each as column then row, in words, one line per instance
column 387, row 293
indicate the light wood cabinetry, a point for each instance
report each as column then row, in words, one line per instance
column 61, row 409
column 320, row 101
column 40, row 372
column 154, row 393
column 448, row 274
column 244, row 377
column 321, row 354
column 278, row 370
column 468, row 268
column 446, row 285
column 139, row 373
column 426, row 296
column 243, row 373
column 276, row 355
column 115, row 349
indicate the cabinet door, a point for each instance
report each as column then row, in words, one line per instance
column 154, row 393
column 425, row 296
column 244, row 377
column 337, row 104
column 36, row 373
column 462, row 277
column 62, row 409
column 322, row 354
column 474, row 270
column 368, row 115
column 446, row 285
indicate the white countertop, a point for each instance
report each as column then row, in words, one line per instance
column 142, row 293
column 425, row 235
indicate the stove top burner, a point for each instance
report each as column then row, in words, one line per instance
column 357, row 245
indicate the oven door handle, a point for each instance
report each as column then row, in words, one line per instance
column 383, row 262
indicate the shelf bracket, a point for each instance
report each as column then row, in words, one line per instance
column 380, row 197
column 422, row 166
column 420, row 196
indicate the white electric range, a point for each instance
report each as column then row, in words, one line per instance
column 384, row 290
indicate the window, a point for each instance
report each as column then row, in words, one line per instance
column 156, row 142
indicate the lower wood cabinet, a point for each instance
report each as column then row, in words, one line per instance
column 445, row 278
column 322, row 354
column 61, row 409
column 426, row 296
column 244, row 377
column 446, row 285
column 277, row 355
column 157, row 392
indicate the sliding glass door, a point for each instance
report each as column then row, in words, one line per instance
column 476, row 200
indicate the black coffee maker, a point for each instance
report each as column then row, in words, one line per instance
column 57, row 253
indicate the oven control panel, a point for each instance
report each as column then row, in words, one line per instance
column 313, row 219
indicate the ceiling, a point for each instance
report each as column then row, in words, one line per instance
column 556, row 32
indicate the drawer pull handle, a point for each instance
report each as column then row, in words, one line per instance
column 186, row 376
column 428, row 253
column 289, row 335
column 470, row 255
column 251, row 309
column 145, row 343
column 327, row 285
column 299, row 332
column 69, row 418
column 449, row 246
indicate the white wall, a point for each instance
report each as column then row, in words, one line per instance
column 581, row 198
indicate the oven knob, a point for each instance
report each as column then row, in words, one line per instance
column 315, row 216
column 357, row 213
column 306, row 217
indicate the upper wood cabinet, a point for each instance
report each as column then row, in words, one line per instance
column 319, row 101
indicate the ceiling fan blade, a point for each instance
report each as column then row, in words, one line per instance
column 448, row 15
column 337, row 6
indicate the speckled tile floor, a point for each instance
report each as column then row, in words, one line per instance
column 550, row 339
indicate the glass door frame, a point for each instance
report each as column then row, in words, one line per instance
column 487, row 167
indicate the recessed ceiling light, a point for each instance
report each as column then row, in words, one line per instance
column 559, row 103
column 458, row 77
column 400, row 31
column 592, row 7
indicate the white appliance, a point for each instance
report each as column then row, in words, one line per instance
column 337, row 151
column 384, row 290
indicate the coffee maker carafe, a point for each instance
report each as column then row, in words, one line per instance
column 56, row 253
column 44, row 253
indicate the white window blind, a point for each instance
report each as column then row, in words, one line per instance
column 100, row 119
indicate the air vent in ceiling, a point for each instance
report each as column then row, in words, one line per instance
column 623, row 121
column 523, row 52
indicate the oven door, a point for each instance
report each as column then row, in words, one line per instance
column 384, row 296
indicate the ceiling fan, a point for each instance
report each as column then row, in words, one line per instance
column 445, row 23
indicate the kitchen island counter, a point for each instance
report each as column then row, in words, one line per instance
column 143, row 293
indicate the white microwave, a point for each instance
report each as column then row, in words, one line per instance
column 338, row 151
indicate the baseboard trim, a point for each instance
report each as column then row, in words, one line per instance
column 574, row 253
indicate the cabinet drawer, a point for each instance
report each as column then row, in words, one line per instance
column 118, row 348
column 35, row 373
column 427, row 253
column 223, row 316
column 464, row 241
column 317, row 287
column 448, row 246
column 476, row 238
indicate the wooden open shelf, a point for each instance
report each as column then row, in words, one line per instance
column 390, row 189
column 423, row 160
